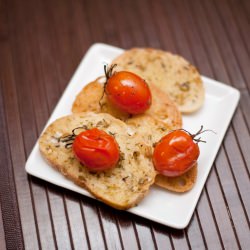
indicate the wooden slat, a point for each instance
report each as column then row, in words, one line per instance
column 122, row 25
column 240, row 50
column 2, row 232
column 76, row 222
column 9, row 210
column 210, row 231
column 110, row 228
column 28, row 53
column 127, row 230
column 194, row 233
column 46, row 51
column 162, row 237
column 15, row 145
column 246, row 9
column 162, row 26
column 177, row 31
column 215, row 59
column 143, row 14
column 220, row 208
column 105, row 16
column 193, row 38
column 144, row 234
column 245, row 105
column 224, row 45
column 39, row 188
column 135, row 30
column 93, row 226
column 238, row 168
column 235, row 210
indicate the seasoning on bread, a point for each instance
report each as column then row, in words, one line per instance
column 171, row 73
column 121, row 187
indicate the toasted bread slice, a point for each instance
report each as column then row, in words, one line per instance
column 91, row 98
column 171, row 73
column 121, row 187
column 151, row 131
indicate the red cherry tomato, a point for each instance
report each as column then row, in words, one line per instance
column 128, row 92
column 176, row 153
column 96, row 149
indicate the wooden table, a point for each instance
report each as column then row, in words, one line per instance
column 41, row 44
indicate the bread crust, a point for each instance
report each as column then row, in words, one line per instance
column 180, row 184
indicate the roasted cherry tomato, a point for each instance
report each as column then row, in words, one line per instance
column 176, row 153
column 127, row 91
column 96, row 149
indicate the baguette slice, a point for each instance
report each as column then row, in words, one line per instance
column 162, row 107
column 171, row 73
column 121, row 187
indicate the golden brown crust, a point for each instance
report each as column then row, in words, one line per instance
column 178, row 184
column 171, row 73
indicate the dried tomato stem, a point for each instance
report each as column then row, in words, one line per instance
column 109, row 71
column 69, row 139
column 200, row 131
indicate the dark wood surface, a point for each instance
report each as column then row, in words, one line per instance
column 41, row 44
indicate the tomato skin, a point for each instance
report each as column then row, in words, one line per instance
column 175, row 154
column 128, row 92
column 96, row 149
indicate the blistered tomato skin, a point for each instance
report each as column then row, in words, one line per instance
column 175, row 154
column 128, row 92
column 96, row 150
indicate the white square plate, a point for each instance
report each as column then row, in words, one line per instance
column 159, row 205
